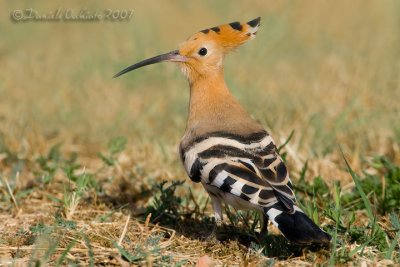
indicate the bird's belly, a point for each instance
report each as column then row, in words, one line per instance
column 230, row 199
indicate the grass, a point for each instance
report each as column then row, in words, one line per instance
column 172, row 223
column 89, row 172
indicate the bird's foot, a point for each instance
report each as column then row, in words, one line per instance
column 212, row 237
column 263, row 235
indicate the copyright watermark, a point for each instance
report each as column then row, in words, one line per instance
column 69, row 14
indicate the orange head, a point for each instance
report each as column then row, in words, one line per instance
column 202, row 53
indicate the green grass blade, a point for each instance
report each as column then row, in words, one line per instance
column 51, row 250
column 392, row 246
column 124, row 253
column 337, row 214
column 396, row 224
column 361, row 247
column 65, row 252
column 333, row 252
column 90, row 249
column 286, row 142
column 360, row 190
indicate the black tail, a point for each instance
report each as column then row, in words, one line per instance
column 296, row 227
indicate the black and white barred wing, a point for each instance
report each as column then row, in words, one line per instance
column 251, row 170
column 247, row 167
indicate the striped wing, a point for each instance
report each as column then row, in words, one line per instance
column 247, row 167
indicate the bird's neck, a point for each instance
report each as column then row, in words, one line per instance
column 213, row 108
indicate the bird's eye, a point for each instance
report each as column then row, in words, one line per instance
column 203, row 51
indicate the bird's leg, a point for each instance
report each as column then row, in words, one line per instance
column 217, row 206
column 264, row 223
column 264, row 226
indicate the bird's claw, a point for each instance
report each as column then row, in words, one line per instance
column 212, row 237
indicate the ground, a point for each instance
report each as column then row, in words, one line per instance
column 89, row 169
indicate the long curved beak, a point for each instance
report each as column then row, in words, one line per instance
column 173, row 56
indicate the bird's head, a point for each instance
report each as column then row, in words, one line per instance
column 202, row 54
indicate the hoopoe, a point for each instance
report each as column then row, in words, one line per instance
column 223, row 148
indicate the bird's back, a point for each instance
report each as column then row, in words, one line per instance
column 245, row 166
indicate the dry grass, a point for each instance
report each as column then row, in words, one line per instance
column 328, row 70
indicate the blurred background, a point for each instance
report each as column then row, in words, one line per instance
column 329, row 70
column 80, row 152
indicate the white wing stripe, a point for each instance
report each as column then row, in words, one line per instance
column 191, row 154
column 272, row 213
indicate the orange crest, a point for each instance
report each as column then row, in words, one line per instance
column 231, row 35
